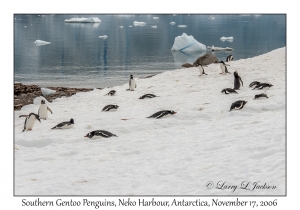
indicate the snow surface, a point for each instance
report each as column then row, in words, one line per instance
column 136, row 23
column 176, row 155
column 187, row 43
column 83, row 20
column 47, row 91
column 41, row 42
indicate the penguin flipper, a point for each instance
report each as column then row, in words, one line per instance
column 241, row 80
column 23, row 115
column 49, row 110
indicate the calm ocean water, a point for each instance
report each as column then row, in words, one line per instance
column 77, row 57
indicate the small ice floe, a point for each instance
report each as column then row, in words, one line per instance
column 83, row 20
column 130, row 26
column 46, row 91
column 187, row 43
column 155, row 18
column 172, row 23
column 153, row 26
column 136, row 23
column 211, row 17
column 223, row 38
column 103, row 37
column 213, row 48
column 41, row 42
column 121, row 27
column 182, row 26
column 25, row 26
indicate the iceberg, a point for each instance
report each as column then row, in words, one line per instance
column 83, row 20
column 187, row 44
column 37, row 100
column 136, row 23
column 46, row 91
column 213, row 48
column 182, row 26
column 41, row 42
column 103, row 37
column 230, row 39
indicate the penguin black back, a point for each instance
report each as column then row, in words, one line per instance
column 237, row 81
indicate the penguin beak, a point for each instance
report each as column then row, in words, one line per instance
column 39, row 120
column 86, row 135
column 175, row 112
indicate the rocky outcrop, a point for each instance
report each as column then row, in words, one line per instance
column 25, row 94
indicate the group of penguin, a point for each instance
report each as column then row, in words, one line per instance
column 43, row 109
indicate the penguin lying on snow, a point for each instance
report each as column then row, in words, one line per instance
column 111, row 93
column 254, row 83
column 161, row 114
column 260, row 96
column 64, row 125
column 99, row 133
column 148, row 96
column 262, row 86
column 229, row 58
column 224, row 68
column 29, row 121
column 110, row 108
column 43, row 110
column 238, row 105
column 228, row 91
column 237, row 81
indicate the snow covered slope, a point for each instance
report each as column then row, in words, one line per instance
column 176, row 155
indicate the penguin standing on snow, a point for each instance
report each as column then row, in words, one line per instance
column 161, row 114
column 132, row 84
column 201, row 69
column 29, row 121
column 110, row 108
column 224, row 68
column 64, row 125
column 98, row 134
column 238, row 105
column 237, row 81
column 43, row 110
column 229, row 58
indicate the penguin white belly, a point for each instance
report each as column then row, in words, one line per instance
column 132, row 84
column 200, row 69
column 222, row 68
column 30, row 122
column 95, row 137
column 43, row 112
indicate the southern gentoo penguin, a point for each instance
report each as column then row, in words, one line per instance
column 64, row 125
column 237, row 81
column 260, row 95
column 224, row 68
column 254, row 83
column 43, row 110
column 98, row 134
column 262, row 86
column 111, row 93
column 148, row 96
column 110, row 108
column 238, row 105
column 161, row 114
column 201, row 69
column 229, row 58
column 29, row 121
column 132, row 84
column 228, row 91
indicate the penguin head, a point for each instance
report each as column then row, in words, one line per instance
column 235, row 73
column 131, row 77
column 223, row 91
column 42, row 101
column 172, row 112
column 36, row 116
column 90, row 135
column 116, row 106
column 72, row 121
